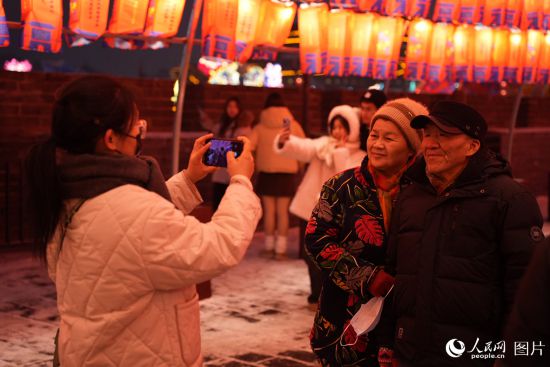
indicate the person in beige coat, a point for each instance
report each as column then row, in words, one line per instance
column 120, row 246
column 277, row 175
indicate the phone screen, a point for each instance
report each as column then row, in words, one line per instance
column 215, row 155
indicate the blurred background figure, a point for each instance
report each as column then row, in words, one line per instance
column 370, row 102
column 276, row 182
column 233, row 122
column 327, row 155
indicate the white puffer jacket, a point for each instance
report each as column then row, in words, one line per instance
column 325, row 160
column 126, row 274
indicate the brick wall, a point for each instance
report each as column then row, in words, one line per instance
column 26, row 101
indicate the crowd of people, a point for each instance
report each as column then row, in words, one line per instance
column 419, row 242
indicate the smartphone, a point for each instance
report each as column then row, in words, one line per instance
column 216, row 154
column 286, row 123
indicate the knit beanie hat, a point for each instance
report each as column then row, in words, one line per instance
column 401, row 111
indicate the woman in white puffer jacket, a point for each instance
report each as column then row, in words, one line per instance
column 120, row 247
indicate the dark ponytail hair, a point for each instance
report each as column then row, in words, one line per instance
column 84, row 109
column 274, row 99
column 226, row 120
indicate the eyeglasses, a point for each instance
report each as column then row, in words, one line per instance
column 142, row 131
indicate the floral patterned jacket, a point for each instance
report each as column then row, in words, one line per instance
column 346, row 238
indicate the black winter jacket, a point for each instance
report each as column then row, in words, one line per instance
column 457, row 259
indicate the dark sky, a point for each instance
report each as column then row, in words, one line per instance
column 97, row 58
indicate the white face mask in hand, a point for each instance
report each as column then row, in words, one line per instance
column 366, row 318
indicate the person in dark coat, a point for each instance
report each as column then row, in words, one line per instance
column 529, row 323
column 462, row 235
column 369, row 103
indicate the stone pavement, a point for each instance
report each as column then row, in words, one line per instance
column 257, row 315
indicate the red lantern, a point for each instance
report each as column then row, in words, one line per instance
column 419, row 8
column 516, row 56
column 463, row 41
column 344, row 4
column 513, row 13
column 532, row 14
column 546, row 15
column 43, row 26
column 501, row 51
column 88, row 19
column 418, row 46
column 377, row 6
column 441, row 55
column 163, row 18
column 398, row 8
column 128, row 16
column 543, row 72
column 362, row 45
column 446, row 11
column 494, row 13
column 219, row 21
column 312, row 24
column 389, row 32
column 339, row 22
column 4, row 33
column 535, row 43
column 247, row 26
column 470, row 11
column 483, row 53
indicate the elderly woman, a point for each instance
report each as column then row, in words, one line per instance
column 346, row 236
column 120, row 247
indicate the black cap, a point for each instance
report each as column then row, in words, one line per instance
column 453, row 118
column 374, row 96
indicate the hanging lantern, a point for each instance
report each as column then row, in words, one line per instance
column 362, row 46
column 398, row 8
column 441, row 55
column 482, row 53
column 163, row 18
column 546, row 15
column 532, row 15
column 419, row 8
column 219, row 21
column 463, row 42
column 471, row 11
column 276, row 18
column 543, row 72
column 128, row 17
column 247, row 25
column 4, row 33
column 389, row 34
column 25, row 9
column 88, row 20
column 344, row 4
column 43, row 26
column 516, row 56
column 312, row 24
column 535, row 42
column 512, row 17
column 418, row 46
column 339, row 22
column 494, row 13
column 377, row 6
column 501, row 51
column 446, row 11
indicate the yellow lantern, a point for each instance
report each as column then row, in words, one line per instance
column 470, row 11
column 532, row 14
column 501, row 51
column 418, row 46
column 446, row 11
column 163, row 18
column 343, row 4
column 4, row 33
column 247, row 25
column 463, row 42
column 339, row 22
column 441, row 55
column 513, row 69
column 398, row 8
column 43, row 26
column 219, row 21
column 543, row 72
column 362, row 45
column 389, row 34
column 377, row 6
column 276, row 22
column 494, row 13
column 535, row 43
column 312, row 25
column 482, row 53
column 419, row 8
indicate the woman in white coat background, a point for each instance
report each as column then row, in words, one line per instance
column 327, row 155
column 122, row 252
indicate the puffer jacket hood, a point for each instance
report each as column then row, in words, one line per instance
column 272, row 117
column 351, row 116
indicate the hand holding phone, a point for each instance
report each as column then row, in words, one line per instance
column 216, row 154
column 286, row 123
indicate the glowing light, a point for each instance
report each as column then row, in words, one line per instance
column 19, row 66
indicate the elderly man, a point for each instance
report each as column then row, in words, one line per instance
column 461, row 237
